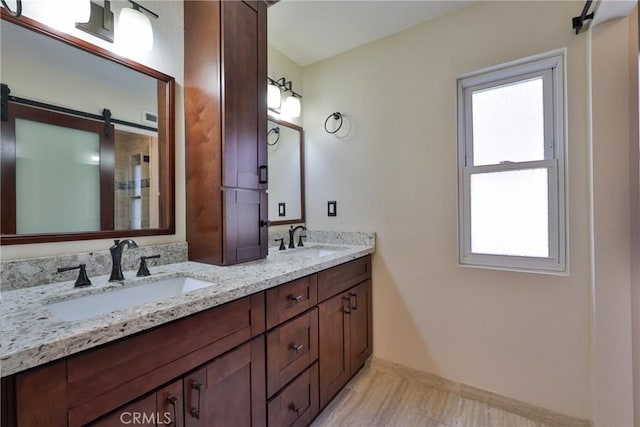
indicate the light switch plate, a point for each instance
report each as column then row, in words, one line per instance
column 332, row 208
column 282, row 209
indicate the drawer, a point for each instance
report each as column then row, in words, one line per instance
column 291, row 348
column 342, row 277
column 288, row 300
column 297, row 404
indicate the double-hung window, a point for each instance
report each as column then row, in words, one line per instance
column 511, row 177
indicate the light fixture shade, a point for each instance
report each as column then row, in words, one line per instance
column 273, row 96
column 291, row 106
column 81, row 10
column 134, row 30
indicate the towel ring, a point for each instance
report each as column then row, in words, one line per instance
column 335, row 116
column 275, row 130
column 18, row 10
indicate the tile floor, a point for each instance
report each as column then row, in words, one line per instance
column 378, row 396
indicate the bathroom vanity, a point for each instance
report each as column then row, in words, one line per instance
column 269, row 343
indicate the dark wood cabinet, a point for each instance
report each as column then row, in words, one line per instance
column 345, row 338
column 226, row 119
column 274, row 357
column 229, row 391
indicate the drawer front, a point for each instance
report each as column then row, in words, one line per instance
column 342, row 277
column 287, row 301
column 291, row 348
column 298, row 403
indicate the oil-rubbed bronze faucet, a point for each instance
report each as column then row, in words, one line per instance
column 292, row 233
column 116, row 258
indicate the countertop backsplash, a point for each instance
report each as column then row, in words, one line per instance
column 24, row 273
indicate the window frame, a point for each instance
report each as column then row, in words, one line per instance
column 551, row 67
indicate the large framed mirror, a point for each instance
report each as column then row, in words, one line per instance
column 286, row 172
column 87, row 140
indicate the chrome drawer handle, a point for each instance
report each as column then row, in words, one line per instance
column 297, row 348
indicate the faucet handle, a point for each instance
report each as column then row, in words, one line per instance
column 144, row 269
column 83, row 279
column 282, row 246
column 300, row 239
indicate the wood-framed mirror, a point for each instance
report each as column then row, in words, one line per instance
column 286, row 172
column 87, row 143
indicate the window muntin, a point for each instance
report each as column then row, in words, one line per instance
column 511, row 166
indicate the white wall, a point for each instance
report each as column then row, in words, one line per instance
column 615, row 135
column 167, row 56
column 393, row 171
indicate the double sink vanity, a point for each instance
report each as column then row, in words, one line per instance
column 268, row 342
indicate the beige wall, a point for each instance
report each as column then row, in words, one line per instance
column 615, row 130
column 393, row 171
column 168, row 57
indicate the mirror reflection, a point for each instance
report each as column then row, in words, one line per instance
column 286, row 172
column 85, row 141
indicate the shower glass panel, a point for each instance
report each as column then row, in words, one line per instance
column 57, row 178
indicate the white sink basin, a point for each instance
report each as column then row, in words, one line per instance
column 94, row 305
column 320, row 251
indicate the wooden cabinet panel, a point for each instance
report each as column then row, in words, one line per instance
column 41, row 396
column 345, row 338
column 333, row 346
column 226, row 130
column 246, row 215
column 360, row 326
column 287, row 301
column 342, row 277
column 244, row 76
column 297, row 404
column 291, row 348
column 228, row 391
column 142, row 412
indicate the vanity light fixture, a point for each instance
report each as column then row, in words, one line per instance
column 18, row 10
column 100, row 23
column 291, row 105
column 134, row 27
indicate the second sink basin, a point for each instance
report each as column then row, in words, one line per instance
column 94, row 305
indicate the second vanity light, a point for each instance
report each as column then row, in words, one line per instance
column 279, row 89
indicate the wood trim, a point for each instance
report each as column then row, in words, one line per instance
column 258, row 382
column 342, row 277
column 8, row 402
column 33, row 25
column 8, row 176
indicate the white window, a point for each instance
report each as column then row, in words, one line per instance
column 511, row 178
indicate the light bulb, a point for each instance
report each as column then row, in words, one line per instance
column 273, row 96
column 134, row 30
column 291, row 106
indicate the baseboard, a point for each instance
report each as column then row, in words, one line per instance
column 504, row 403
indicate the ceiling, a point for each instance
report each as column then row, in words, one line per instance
column 308, row 31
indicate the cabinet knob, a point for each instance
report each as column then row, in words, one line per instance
column 297, row 348
column 295, row 408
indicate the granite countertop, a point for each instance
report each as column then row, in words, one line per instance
column 32, row 335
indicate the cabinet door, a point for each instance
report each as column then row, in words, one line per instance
column 360, row 326
column 244, row 82
column 246, row 230
column 333, row 319
column 230, row 390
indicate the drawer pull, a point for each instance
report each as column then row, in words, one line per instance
column 195, row 412
column 297, row 348
column 295, row 299
column 347, row 310
column 355, row 296
column 174, row 402
column 295, row 408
